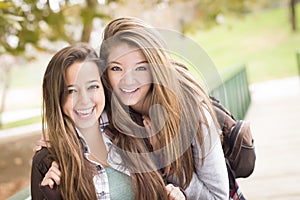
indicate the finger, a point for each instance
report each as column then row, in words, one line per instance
column 55, row 172
column 36, row 148
column 50, row 179
column 55, row 164
column 47, row 181
column 42, row 143
column 169, row 188
column 52, row 176
column 174, row 193
column 39, row 144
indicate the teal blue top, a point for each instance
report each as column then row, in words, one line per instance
column 119, row 185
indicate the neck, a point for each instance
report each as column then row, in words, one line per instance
column 139, row 109
column 94, row 140
column 90, row 132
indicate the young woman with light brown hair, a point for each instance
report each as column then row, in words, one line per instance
column 69, row 102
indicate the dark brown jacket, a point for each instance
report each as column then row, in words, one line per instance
column 41, row 162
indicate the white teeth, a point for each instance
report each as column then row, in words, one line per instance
column 128, row 90
column 85, row 112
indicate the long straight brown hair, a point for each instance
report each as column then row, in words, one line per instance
column 59, row 129
column 182, row 104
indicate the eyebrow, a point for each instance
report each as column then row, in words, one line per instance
column 92, row 81
column 140, row 62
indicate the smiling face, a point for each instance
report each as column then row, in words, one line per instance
column 129, row 75
column 84, row 96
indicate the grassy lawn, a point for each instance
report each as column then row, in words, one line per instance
column 262, row 40
column 23, row 122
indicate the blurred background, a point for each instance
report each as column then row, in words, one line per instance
column 261, row 34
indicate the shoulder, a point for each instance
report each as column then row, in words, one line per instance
column 42, row 159
column 39, row 155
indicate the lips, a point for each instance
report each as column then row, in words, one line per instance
column 128, row 90
column 85, row 112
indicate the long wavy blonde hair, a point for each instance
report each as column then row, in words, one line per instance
column 59, row 129
column 181, row 105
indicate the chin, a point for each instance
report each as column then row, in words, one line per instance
column 130, row 103
column 87, row 124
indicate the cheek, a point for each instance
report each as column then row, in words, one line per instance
column 114, row 80
column 145, row 78
column 100, row 100
column 146, row 89
column 149, row 78
column 68, row 107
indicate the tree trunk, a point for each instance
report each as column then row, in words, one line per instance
column 86, row 32
column 6, row 80
column 6, row 63
column 87, row 15
column 293, row 15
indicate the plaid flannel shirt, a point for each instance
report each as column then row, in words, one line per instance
column 101, row 179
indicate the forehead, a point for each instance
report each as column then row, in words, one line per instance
column 81, row 72
column 121, row 50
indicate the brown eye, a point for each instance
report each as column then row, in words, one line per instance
column 94, row 87
column 116, row 68
column 70, row 90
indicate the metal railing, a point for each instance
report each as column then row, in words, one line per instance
column 22, row 195
column 234, row 92
column 298, row 61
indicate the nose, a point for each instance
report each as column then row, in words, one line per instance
column 129, row 78
column 84, row 97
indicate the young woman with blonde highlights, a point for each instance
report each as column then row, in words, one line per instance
column 146, row 88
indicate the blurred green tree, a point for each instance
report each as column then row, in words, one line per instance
column 212, row 12
column 24, row 22
column 39, row 23
column 36, row 23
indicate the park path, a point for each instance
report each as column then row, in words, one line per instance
column 275, row 120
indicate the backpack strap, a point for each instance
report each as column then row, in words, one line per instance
column 234, row 134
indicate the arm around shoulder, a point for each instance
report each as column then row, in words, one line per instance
column 41, row 163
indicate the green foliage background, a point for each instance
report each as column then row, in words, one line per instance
column 263, row 40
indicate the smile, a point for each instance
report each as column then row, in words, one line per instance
column 85, row 112
column 128, row 90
